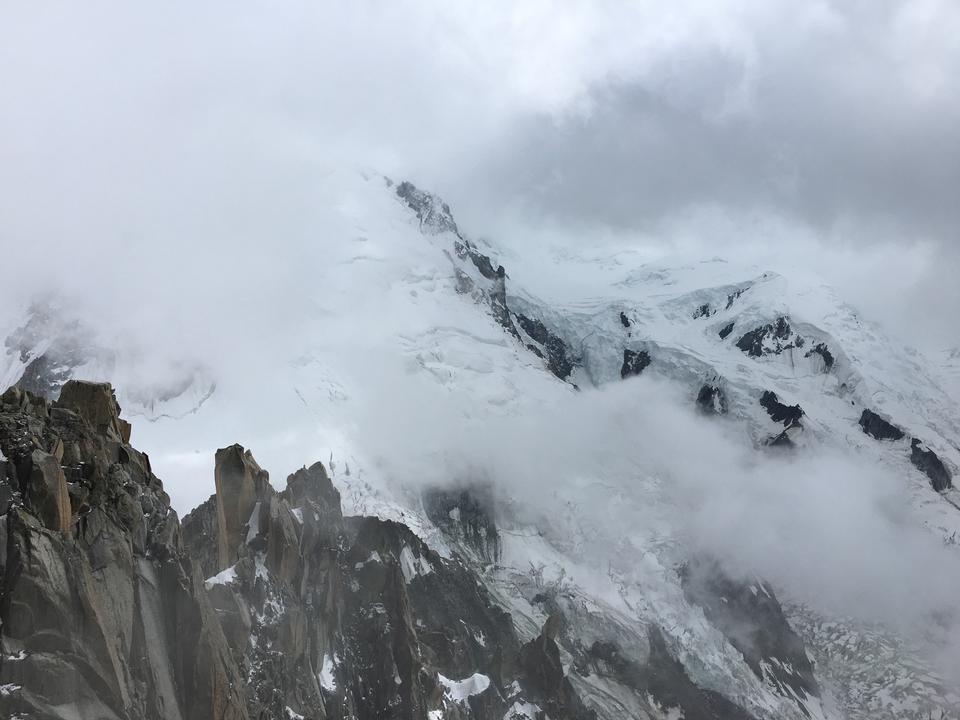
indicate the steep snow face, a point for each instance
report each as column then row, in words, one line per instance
column 413, row 358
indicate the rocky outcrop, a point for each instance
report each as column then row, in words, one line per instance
column 878, row 427
column 265, row 604
column 434, row 214
column 771, row 339
column 732, row 297
column 547, row 345
column 334, row 617
column 102, row 613
column 634, row 362
column 725, row 331
column 711, row 400
column 662, row 679
column 748, row 614
column 823, row 351
column 544, row 678
column 929, row 463
column 467, row 515
column 240, row 482
column 97, row 404
column 789, row 415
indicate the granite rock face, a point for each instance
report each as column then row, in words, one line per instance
column 102, row 613
column 263, row 604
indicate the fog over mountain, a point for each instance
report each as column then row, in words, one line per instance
column 626, row 333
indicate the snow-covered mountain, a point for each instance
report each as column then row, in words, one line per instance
column 650, row 464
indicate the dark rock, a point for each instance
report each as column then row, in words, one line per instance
column 731, row 298
column 725, row 330
column 95, row 403
column 624, row 320
column 108, row 613
column 789, row 415
column 780, row 440
column 703, row 311
column 824, row 352
column 664, row 679
column 770, row 339
column 467, row 251
column 928, row 462
column 544, row 679
column 496, row 292
column 434, row 214
column 634, row 362
column 879, row 428
column 750, row 617
column 558, row 355
column 466, row 515
column 711, row 400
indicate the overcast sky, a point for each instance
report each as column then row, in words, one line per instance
column 739, row 126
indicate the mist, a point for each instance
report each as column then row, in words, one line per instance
column 832, row 531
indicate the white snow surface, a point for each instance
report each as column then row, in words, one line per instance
column 224, row 577
column 460, row 690
column 326, row 676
